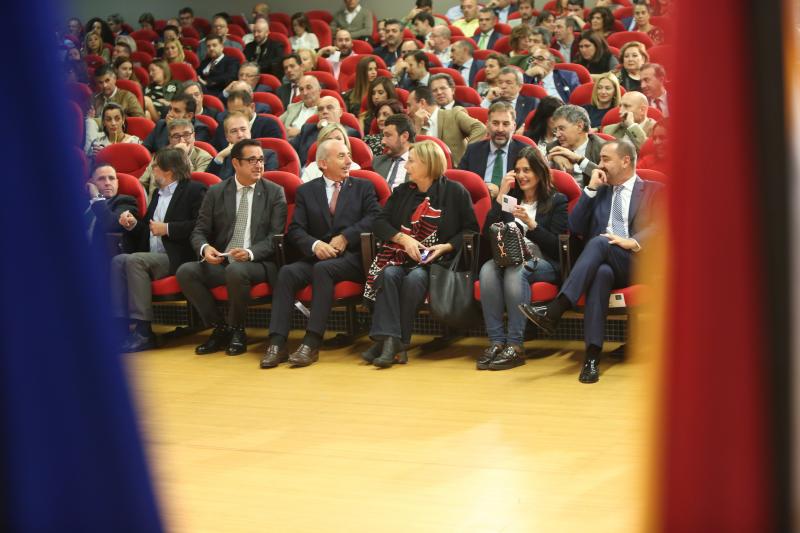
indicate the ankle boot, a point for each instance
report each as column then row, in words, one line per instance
column 393, row 352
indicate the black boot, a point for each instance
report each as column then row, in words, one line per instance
column 373, row 352
column 219, row 340
column 393, row 352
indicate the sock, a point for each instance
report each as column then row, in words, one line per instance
column 593, row 352
column 312, row 340
column 276, row 339
column 558, row 307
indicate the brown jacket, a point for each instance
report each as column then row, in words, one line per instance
column 126, row 99
column 457, row 129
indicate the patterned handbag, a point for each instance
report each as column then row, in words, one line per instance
column 508, row 244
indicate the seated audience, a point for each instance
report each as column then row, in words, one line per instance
column 634, row 124
column 493, row 65
column 526, row 14
column 195, row 90
column 653, row 77
column 412, row 71
column 182, row 106
column 659, row 158
column 593, row 53
column 468, row 23
column 93, row 45
column 123, row 68
column 379, row 91
column 386, row 109
column 564, row 39
column 297, row 113
column 443, row 88
column 605, row 96
column 421, row 23
column 217, row 70
column 161, row 89
column 393, row 38
column 308, row 59
column 329, row 111
column 366, row 71
column 331, row 131
column 174, row 52
column 341, row 49
column 303, row 36
column 106, row 80
column 105, row 205
column 262, row 51
column 546, row 20
column 520, row 43
column 439, row 43
column 541, row 71
column 641, row 17
column 249, row 73
column 397, row 137
column 541, row 128
column 113, row 122
column 503, row 9
column 181, row 134
column 634, row 56
column 575, row 150
column 291, row 87
column 509, row 85
column 354, row 18
column 236, row 127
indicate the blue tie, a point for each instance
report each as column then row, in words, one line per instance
column 618, row 226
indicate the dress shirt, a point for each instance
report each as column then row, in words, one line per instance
column 304, row 114
column 549, row 85
column 451, row 105
column 531, row 210
column 164, row 198
column 502, row 14
column 486, row 103
column 487, row 176
column 566, row 51
column 211, row 64
column 661, row 104
column 464, row 69
column 484, row 35
column 247, row 242
column 433, row 124
column 578, row 168
column 625, row 197
column 400, row 176
column 444, row 55
column 350, row 15
column 330, row 186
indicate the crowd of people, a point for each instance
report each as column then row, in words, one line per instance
column 509, row 92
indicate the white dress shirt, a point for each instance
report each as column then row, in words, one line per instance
column 350, row 15
column 433, row 124
column 211, row 64
column 164, row 198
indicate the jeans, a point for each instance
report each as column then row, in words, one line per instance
column 503, row 289
column 402, row 290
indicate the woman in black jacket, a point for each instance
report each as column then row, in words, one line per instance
column 541, row 214
column 423, row 220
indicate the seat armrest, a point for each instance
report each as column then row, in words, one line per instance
column 565, row 255
column 279, row 242
column 368, row 250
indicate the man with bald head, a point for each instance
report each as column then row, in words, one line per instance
column 298, row 113
column 264, row 52
column 330, row 112
column 634, row 124
column 330, row 213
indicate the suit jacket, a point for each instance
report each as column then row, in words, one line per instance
column 262, row 127
column 477, row 155
column 106, row 217
column 493, row 38
column 592, row 154
column 473, row 70
column 291, row 113
column 269, row 57
column 636, row 133
column 159, row 137
column 284, row 92
column 457, row 129
column 525, row 104
column 181, row 216
column 308, row 136
column 220, row 75
column 126, row 99
column 225, row 170
column 565, row 81
column 359, row 28
column 589, row 217
column 356, row 210
column 382, row 165
column 217, row 218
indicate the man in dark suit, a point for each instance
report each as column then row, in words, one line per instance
column 105, row 205
column 217, row 70
column 398, row 136
column 509, row 85
column 242, row 101
column 234, row 237
column 293, row 71
column 615, row 218
column 329, row 111
column 412, row 70
column 268, row 54
column 461, row 53
column 155, row 246
column 183, row 106
column 541, row 71
column 330, row 214
column 486, row 36
column 494, row 157
column 575, row 150
column 237, row 128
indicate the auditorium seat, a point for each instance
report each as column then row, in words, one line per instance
column 446, row 149
column 182, row 72
column 207, row 147
column 288, row 161
column 361, row 153
column 129, row 158
column 132, row 87
column 140, row 126
column 271, row 100
column 210, row 123
column 130, row 185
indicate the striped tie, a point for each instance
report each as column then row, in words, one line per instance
column 237, row 241
column 618, row 226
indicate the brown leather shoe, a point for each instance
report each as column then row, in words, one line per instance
column 275, row 355
column 304, row 356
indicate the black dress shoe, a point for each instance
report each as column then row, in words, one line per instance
column 372, row 352
column 590, row 373
column 488, row 356
column 304, row 356
column 538, row 315
column 219, row 340
column 511, row 357
column 137, row 342
column 393, row 352
column 238, row 342
column 275, row 355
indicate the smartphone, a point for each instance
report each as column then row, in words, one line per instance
column 509, row 203
column 424, row 255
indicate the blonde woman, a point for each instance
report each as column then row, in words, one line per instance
column 173, row 52
column 309, row 59
column 93, row 45
column 161, row 90
column 331, row 131
column 605, row 96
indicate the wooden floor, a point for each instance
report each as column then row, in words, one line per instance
column 433, row 446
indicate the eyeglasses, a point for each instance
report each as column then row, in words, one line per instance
column 252, row 161
column 181, row 136
column 538, row 58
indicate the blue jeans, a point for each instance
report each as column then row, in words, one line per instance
column 503, row 289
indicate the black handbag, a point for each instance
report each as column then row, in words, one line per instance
column 508, row 244
column 451, row 295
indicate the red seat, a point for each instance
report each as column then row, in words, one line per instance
column 240, row 21
column 191, row 58
column 205, row 178
column 635, row 295
column 146, row 46
column 348, row 65
column 287, row 156
column 456, row 75
column 131, row 186
column 621, row 37
column 166, row 289
column 455, row 30
column 94, row 61
column 663, row 55
column 582, row 95
column 270, row 81
column 320, row 14
column 502, row 45
column 141, row 75
column 622, row 13
column 478, row 113
column 361, row 47
column 580, row 70
column 235, row 53
column 132, row 87
column 80, row 93
column 536, row 91
column 348, row 119
column 361, row 153
column 191, row 33
column 142, row 58
column 213, row 102
column 128, row 158
column 277, row 122
column 382, row 189
column 558, row 55
column 326, row 79
column 238, row 31
column 258, row 292
column 182, row 72
column 523, row 139
column 140, row 126
column 443, row 18
column 540, row 291
column 468, row 95
column 191, row 43
column 206, row 147
column 324, row 65
column 209, row 122
column 433, row 59
column 567, row 186
column 605, row 136
column 282, row 18
column 290, row 183
column 322, row 30
column 144, row 35
column 202, row 25
column 446, row 149
column 271, row 100
column 283, row 39
column 477, row 189
column 482, row 55
column 343, row 290
column 612, row 117
column 236, row 39
column 652, row 175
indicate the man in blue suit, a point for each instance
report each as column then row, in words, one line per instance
column 509, row 84
column 541, row 71
column 462, row 60
column 240, row 100
column 614, row 215
column 486, row 36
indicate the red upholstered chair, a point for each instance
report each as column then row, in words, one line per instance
column 236, row 39
column 322, row 30
column 277, row 27
column 443, row 18
column 131, row 186
column 502, row 28
column 580, row 70
column 80, row 93
column 206, row 178
column 433, row 59
column 94, row 61
column 348, row 119
column 446, row 149
column 662, row 54
column 213, row 102
column 287, row 156
column 210, row 122
column 466, row 94
column 190, row 32
column 183, row 72
column 202, row 25
column 482, row 55
column 479, row 77
column 502, row 45
column 192, row 43
column 361, row 153
column 361, row 47
column 324, row 65
column 133, row 87
column 240, row 21
column 290, row 183
column 325, row 79
column 320, row 14
column 477, row 189
column 536, row 91
column 144, row 35
column 582, row 95
column 270, row 81
column 622, row 13
column 456, row 75
column 528, row 120
column 271, row 100
column 283, row 18
column 142, row 75
column 191, row 58
column 238, row 31
column 621, row 37
column 235, row 53
column 478, row 113
column 142, row 58
column 612, row 117
column 455, row 30
column 558, row 55
column 348, row 65
column 206, row 147
column 146, row 46
column 140, row 126
column 523, row 139
column 652, row 175
column 605, row 136
column 646, row 149
column 382, row 189
column 283, row 39
column 125, row 157
column 277, row 121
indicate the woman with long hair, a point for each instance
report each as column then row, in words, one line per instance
column 601, row 21
column 593, row 53
column 114, row 123
column 101, row 26
column 634, row 56
column 380, row 90
column 492, row 66
column 93, row 45
column 303, row 36
column 161, row 90
column 641, row 14
column 385, row 110
column 541, row 126
column 366, row 71
column 123, row 66
column 605, row 96
column 541, row 215
column 173, row 52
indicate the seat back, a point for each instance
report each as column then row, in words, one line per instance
column 320, row 14
column 140, row 126
column 76, row 122
column 446, row 149
column 290, row 183
column 326, row 79
column 128, row 158
column 132, row 87
column 146, row 46
column 536, row 91
column 456, row 75
column 361, row 153
column 206, row 147
column 131, row 186
column 144, row 35
column 524, row 139
column 582, row 95
column 283, row 39
column 382, row 190
column 322, row 30
column 271, row 100
column 580, row 70
column 466, row 94
column 205, row 178
column 652, row 175
column 481, row 201
column 235, row 53
column 191, row 58
column 142, row 75
column 213, row 102
column 567, row 186
column 619, row 38
column 478, row 113
column 287, row 156
column 361, row 47
column 270, row 81
column 142, row 58
column 502, row 45
column 209, row 122
column 348, row 119
column 183, row 72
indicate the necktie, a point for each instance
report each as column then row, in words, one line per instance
column 393, row 171
column 337, row 186
column 617, row 222
column 658, row 104
column 237, row 241
column 498, row 169
column 294, row 93
column 482, row 41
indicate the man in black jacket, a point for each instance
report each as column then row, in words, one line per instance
column 105, row 205
column 268, row 54
column 242, row 101
column 217, row 70
column 156, row 245
column 182, row 106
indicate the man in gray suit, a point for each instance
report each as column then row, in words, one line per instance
column 354, row 18
column 298, row 113
column 398, row 135
column 575, row 150
column 234, row 239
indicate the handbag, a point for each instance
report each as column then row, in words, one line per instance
column 451, row 295
column 508, row 244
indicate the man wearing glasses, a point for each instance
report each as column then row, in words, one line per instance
column 234, row 239
column 237, row 128
column 181, row 135
column 557, row 83
column 182, row 106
